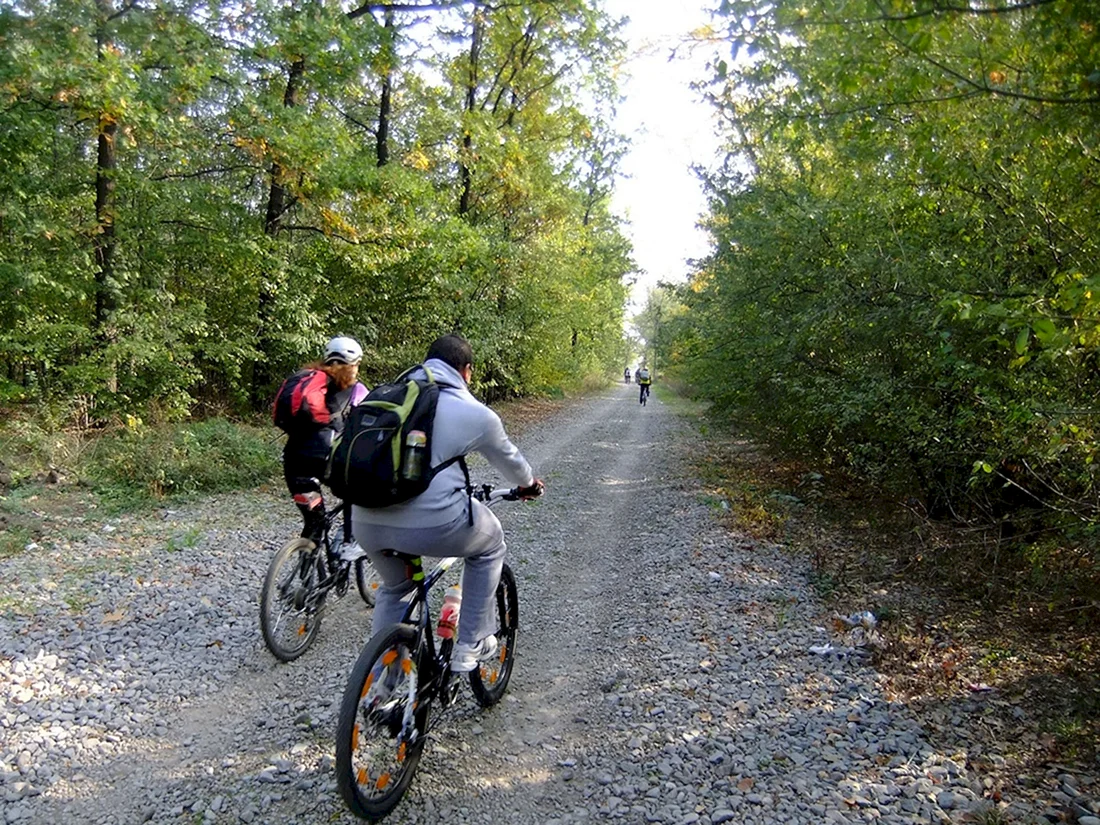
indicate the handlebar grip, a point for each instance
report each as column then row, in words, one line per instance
column 532, row 492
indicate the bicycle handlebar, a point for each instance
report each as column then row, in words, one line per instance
column 487, row 494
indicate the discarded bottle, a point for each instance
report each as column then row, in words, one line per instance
column 412, row 468
column 448, row 614
column 865, row 619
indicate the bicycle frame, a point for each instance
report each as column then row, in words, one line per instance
column 332, row 572
column 405, row 666
column 435, row 661
column 437, row 682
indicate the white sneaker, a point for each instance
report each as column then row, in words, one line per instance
column 352, row 551
column 465, row 657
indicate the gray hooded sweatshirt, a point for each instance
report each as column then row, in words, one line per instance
column 462, row 425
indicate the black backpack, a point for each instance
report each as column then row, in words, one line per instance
column 383, row 456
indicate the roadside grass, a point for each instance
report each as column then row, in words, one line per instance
column 57, row 479
column 188, row 459
column 52, row 481
column 991, row 649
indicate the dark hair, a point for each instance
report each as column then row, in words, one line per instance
column 452, row 349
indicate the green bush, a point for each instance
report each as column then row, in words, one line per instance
column 24, row 449
column 201, row 457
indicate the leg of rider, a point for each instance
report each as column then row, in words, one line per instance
column 306, row 491
column 482, row 546
column 481, row 575
column 392, row 596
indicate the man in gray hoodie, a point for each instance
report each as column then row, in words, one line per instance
column 437, row 522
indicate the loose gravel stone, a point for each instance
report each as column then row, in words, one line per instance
column 663, row 670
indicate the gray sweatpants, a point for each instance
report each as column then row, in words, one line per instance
column 481, row 546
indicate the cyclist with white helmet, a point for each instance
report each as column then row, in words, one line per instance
column 319, row 395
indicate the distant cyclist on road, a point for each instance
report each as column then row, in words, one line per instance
column 643, row 383
column 626, row 375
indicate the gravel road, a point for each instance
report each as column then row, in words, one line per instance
column 662, row 669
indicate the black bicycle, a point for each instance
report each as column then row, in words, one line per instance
column 643, row 395
column 384, row 715
column 298, row 582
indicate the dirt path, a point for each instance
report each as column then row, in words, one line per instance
column 661, row 675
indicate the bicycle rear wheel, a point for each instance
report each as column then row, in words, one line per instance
column 491, row 680
column 381, row 732
column 291, row 606
column 367, row 580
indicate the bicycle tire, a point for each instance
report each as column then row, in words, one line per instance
column 372, row 788
column 491, row 679
column 367, row 580
column 291, row 609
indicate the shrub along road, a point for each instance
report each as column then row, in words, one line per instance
column 663, row 671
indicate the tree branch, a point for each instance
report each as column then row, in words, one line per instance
column 319, row 231
column 130, row 5
column 985, row 88
column 188, row 225
column 201, row 172
column 934, row 11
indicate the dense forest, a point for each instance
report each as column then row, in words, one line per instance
column 904, row 278
column 195, row 194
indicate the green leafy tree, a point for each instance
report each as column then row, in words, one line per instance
column 903, row 266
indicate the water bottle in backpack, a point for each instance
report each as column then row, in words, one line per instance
column 412, row 467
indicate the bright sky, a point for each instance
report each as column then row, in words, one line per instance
column 670, row 129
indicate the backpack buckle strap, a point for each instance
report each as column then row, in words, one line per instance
column 469, row 489
column 460, row 460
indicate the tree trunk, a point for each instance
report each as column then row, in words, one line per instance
column 279, row 200
column 106, row 295
column 464, row 171
column 385, row 103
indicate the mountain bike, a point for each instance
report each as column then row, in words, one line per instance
column 643, row 395
column 384, row 715
column 299, row 579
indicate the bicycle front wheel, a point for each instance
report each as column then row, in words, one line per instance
column 383, row 722
column 491, row 679
column 291, row 604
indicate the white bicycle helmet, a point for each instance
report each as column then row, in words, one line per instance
column 343, row 350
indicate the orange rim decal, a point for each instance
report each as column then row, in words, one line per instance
column 401, row 752
column 389, row 657
column 407, row 665
column 382, row 782
column 367, row 684
column 361, row 777
column 355, row 737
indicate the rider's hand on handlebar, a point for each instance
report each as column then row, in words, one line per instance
column 534, row 491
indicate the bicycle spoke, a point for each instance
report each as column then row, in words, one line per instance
column 490, row 680
column 382, row 725
column 291, row 604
